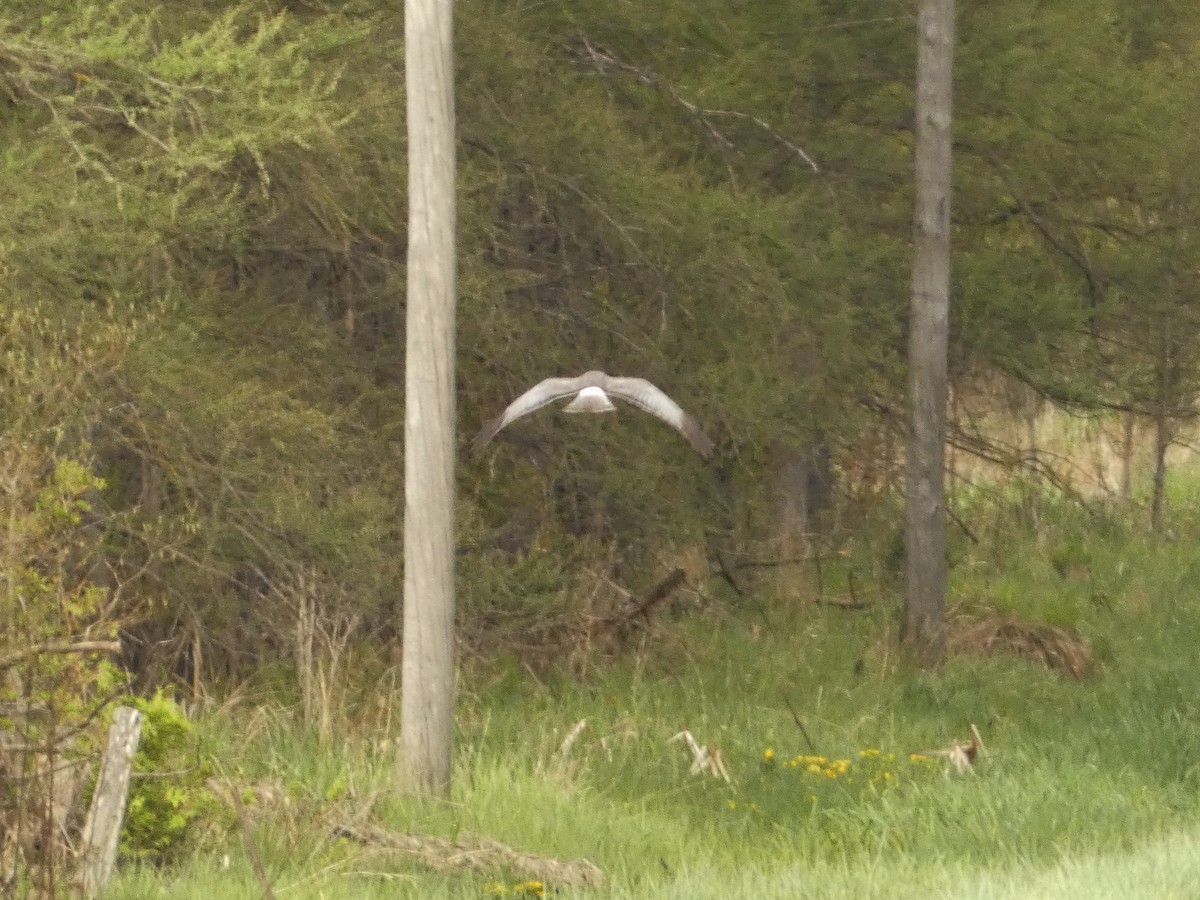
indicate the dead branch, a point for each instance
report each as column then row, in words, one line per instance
column 478, row 854
column 960, row 756
column 604, row 60
column 842, row 603
column 800, row 724
column 704, row 758
column 655, row 595
column 573, row 735
column 725, row 570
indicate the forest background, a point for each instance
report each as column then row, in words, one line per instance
column 202, row 238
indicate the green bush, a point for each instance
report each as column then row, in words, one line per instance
column 172, row 793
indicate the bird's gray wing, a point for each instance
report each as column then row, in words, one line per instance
column 644, row 395
column 533, row 399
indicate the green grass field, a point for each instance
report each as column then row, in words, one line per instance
column 1089, row 788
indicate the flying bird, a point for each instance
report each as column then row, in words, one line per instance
column 591, row 391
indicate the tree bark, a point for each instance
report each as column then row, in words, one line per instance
column 925, row 516
column 427, row 701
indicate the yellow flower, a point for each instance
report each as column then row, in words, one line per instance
column 531, row 888
column 814, row 768
column 919, row 758
column 868, row 753
column 769, row 754
column 732, row 804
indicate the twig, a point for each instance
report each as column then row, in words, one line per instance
column 725, row 570
column 853, row 595
column 655, row 595
column 603, row 59
column 960, row 755
column 573, row 735
column 799, row 724
column 853, row 605
column 704, row 758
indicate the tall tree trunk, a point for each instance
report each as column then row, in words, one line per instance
column 925, row 490
column 1127, row 434
column 1163, row 425
column 1162, row 440
column 427, row 703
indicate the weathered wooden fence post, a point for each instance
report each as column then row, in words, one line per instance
column 103, row 825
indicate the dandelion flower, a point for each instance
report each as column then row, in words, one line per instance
column 769, row 755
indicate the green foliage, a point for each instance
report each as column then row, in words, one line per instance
column 48, row 497
column 58, row 618
column 171, row 793
column 635, row 193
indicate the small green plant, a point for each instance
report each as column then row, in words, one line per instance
column 173, row 792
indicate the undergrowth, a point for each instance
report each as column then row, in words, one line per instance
column 837, row 789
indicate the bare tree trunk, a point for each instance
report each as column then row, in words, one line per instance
column 427, row 703
column 1162, row 440
column 1163, row 426
column 925, row 517
column 1127, row 433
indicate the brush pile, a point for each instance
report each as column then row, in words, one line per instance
column 1049, row 646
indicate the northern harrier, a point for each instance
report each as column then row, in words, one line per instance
column 592, row 390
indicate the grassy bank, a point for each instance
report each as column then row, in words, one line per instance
column 1089, row 787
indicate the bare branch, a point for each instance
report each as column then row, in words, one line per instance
column 604, row 60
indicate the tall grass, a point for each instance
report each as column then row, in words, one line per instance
column 1089, row 788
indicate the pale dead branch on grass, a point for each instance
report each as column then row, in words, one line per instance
column 479, row 854
column 572, row 736
column 960, row 756
column 704, row 758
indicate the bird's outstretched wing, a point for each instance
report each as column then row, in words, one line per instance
column 644, row 395
column 533, row 399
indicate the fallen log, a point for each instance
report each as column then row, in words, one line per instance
column 479, row 854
